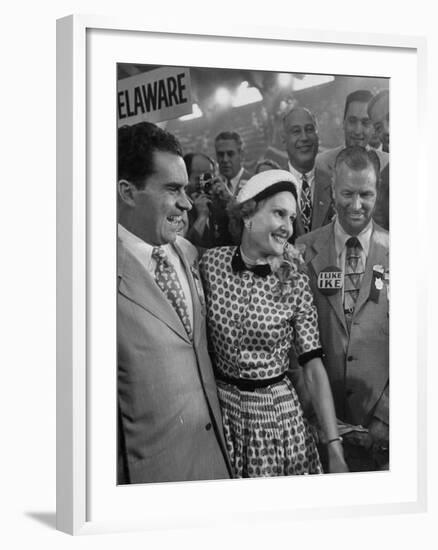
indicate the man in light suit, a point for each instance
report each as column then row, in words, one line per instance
column 301, row 140
column 355, row 338
column 170, row 426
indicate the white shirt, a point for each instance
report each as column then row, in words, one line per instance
column 234, row 182
column 142, row 251
column 299, row 178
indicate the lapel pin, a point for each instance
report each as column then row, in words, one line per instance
column 377, row 285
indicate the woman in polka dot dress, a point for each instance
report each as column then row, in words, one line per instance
column 258, row 304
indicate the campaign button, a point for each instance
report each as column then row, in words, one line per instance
column 330, row 280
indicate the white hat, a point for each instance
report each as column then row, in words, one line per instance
column 267, row 183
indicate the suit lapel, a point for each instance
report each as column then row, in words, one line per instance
column 195, row 292
column 139, row 286
column 378, row 254
column 325, row 256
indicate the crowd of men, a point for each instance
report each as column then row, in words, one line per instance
column 169, row 417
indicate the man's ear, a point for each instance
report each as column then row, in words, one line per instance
column 126, row 191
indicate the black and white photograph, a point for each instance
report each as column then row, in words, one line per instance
column 194, row 357
column 252, row 274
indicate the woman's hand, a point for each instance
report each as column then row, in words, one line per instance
column 337, row 465
column 319, row 390
column 336, row 461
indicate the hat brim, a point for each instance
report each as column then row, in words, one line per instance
column 275, row 188
column 267, row 183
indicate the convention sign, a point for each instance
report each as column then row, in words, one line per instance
column 153, row 96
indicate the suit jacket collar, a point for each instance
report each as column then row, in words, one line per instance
column 322, row 198
column 378, row 255
column 321, row 203
column 325, row 256
column 196, row 290
column 139, row 286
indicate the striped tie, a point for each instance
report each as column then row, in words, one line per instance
column 306, row 203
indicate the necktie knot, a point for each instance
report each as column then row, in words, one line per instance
column 159, row 255
column 353, row 242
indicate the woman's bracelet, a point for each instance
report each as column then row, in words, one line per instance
column 339, row 438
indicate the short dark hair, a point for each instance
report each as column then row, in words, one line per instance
column 230, row 135
column 358, row 158
column 376, row 98
column 136, row 147
column 362, row 96
column 188, row 161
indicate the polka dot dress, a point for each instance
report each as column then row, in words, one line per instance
column 252, row 322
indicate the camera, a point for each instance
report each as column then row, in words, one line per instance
column 205, row 182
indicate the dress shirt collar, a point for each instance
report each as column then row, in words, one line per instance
column 299, row 177
column 234, row 182
column 341, row 238
column 140, row 249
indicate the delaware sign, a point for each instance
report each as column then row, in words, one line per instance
column 154, row 96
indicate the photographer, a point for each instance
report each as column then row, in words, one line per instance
column 208, row 219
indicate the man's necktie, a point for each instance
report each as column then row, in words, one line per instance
column 167, row 279
column 306, row 203
column 353, row 274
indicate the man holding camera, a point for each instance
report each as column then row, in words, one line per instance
column 208, row 219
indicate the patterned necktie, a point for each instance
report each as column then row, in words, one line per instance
column 306, row 203
column 167, row 279
column 353, row 274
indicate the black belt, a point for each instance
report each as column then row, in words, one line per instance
column 247, row 384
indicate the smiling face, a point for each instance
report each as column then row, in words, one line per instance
column 270, row 226
column 354, row 194
column 301, row 139
column 157, row 210
column 357, row 124
column 229, row 157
